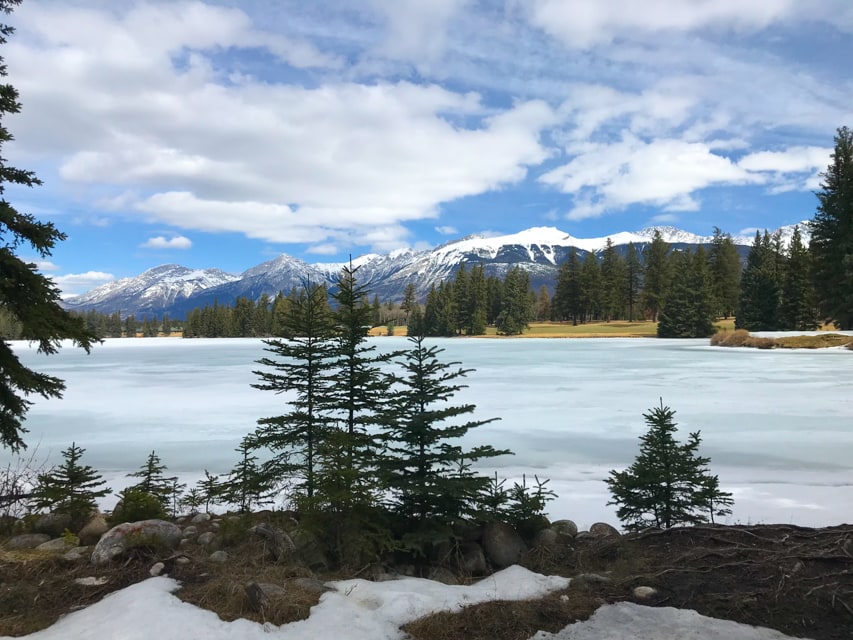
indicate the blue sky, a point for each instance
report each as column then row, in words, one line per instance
column 221, row 134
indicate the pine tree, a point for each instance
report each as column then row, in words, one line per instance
column 567, row 303
column 687, row 310
column 247, row 485
column 153, row 481
column 831, row 244
column 724, row 265
column 461, row 297
column 669, row 483
column 758, row 308
column 633, row 279
column 409, row 300
column 516, row 308
column 591, row 288
column 612, row 279
column 27, row 297
column 422, row 451
column 477, row 301
column 70, row 488
column 798, row 310
column 209, row 490
column 302, row 363
column 657, row 275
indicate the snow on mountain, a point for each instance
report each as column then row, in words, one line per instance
column 150, row 291
column 175, row 290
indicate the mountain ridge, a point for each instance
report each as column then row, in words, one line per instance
column 175, row 289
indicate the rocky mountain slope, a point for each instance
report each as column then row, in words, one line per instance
column 175, row 290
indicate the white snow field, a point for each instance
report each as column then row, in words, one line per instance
column 777, row 424
column 362, row 610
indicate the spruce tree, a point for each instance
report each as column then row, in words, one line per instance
column 758, row 307
column 27, row 297
column 687, row 310
column 461, row 299
column 657, row 275
column 477, row 301
column 633, row 279
column 409, row 301
column 725, row 268
column 70, row 488
column 422, row 447
column 302, row 364
column 247, row 485
column 152, row 480
column 567, row 293
column 669, row 483
column 612, row 281
column 591, row 289
column 798, row 310
column 516, row 309
column 831, row 243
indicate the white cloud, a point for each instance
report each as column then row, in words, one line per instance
column 586, row 23
column 75, row 283
column 277, row 162
column 665, row 173
column 447, row 230
column 161, row 242
column 416, row 29
column 791, row 160
column 45, row 265
column 326, row 249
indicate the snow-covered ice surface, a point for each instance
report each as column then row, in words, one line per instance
column 775, row 423
column 362, row 610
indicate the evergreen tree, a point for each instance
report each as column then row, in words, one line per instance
column 724, row 265
column 831, row 244
column 209, row 490
column 688, row 308
column 542, row 308
column 247, row 485
column 152, row 480
column 612, row 279
column 669, row 483
column 798, row 310
column 657, row 275
column 633, row 279
column 415, row 325
column 409, row 300
column 567, row 303
column 516, row 309
column 461, row 297
column 494, row 299
column 591, row 289
column 759, row 289
column 422, row 451
column 70, row 488
column 477, row 301
column 302, row 363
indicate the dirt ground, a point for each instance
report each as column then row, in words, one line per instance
column 793, row 579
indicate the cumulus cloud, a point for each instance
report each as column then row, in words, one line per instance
column 161, row 242
column 665, row 173
column 72, row 284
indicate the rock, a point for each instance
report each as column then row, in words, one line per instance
column 472, row 559
column 545, row 539
column 219, row 556
column 443, row 575
column 259, row 594
column 57, row 545
column 502, row 545
column 53, row 524
column 129, row 535
column 190, row 531
column 76, row 554
column 26, row 541
column 582, row 535
column 307, row 550
column 603, row 530
column 91, row 581
column 310, row 585
column 199, row 518
column 182, row 560
column 644, row 593
column 156, row 569
column 206, row 538
column 565, row 527
column 93, row 530
column 278, row 542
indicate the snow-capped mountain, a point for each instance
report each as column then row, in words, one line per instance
column 175, row 290
column 151, row 292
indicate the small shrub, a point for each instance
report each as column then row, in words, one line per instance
column 136, row 505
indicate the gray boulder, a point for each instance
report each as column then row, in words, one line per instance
column 603, row 530
column 207, row 539
column 309, row 585
column 53, row 524
column 546, row 539
column 26, row 541
column 57, row 545
column 260, row 594
column 219, row 556
column 200, row 518
column 502, row 545
column 565, row 527
column 129, row 535
column 93, row 530
column 472, row 559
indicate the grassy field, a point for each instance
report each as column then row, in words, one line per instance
column 616, row 329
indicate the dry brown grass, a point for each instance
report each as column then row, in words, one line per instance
column 742, row 338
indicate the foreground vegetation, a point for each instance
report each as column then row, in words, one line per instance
column 742, row 338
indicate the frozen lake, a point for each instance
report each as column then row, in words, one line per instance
column 778, row 425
